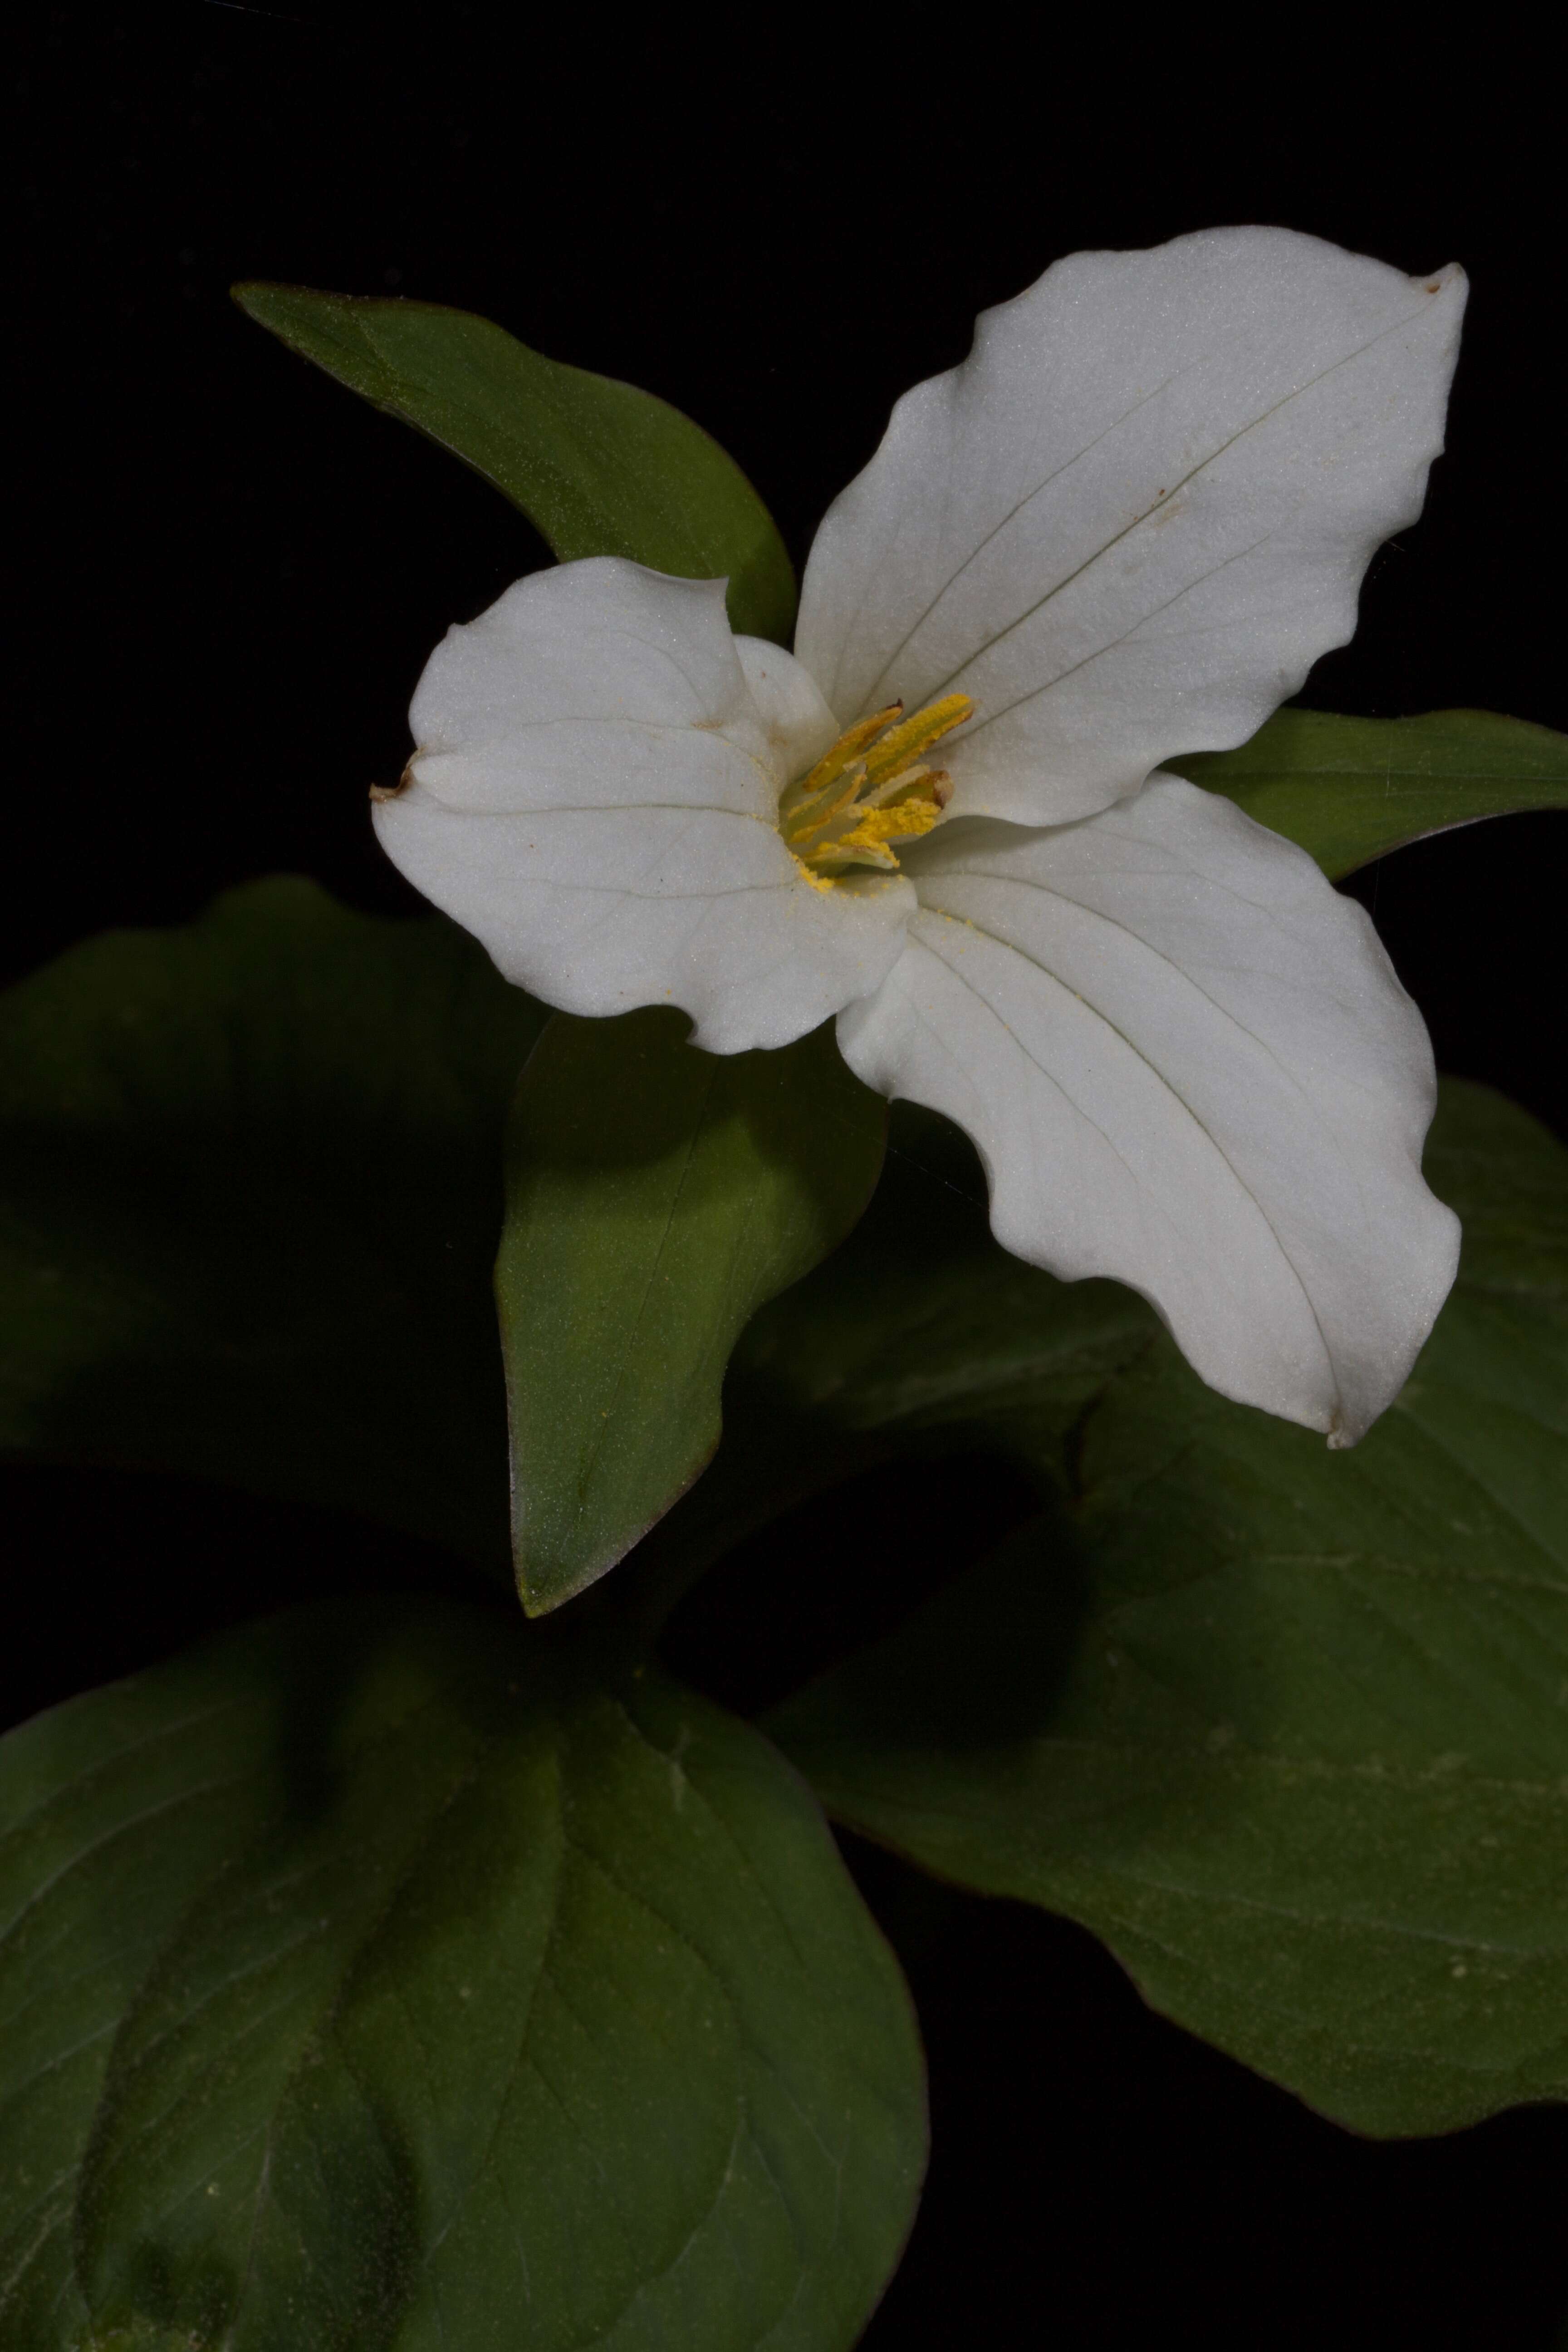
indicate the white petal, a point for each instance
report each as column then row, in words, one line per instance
column 1140, row 510
column 595, row 794
column 1186, row 1063
column 797, row 723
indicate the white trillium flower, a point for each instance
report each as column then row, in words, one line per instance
column 1122, row 530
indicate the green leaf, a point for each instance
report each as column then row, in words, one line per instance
column 1287, row 1727
column 386, row 1975
column 919, row 1337
column 597, row 466
column 656, row 1197
column 1350, row 790
column 251, row 1191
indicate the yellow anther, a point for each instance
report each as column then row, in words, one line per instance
column 910, row 783
column 849, row 746
column 831, row 801
column 866, row 793
column 903, row 744
column 877, row 827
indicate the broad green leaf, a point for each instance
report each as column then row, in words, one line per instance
column 385, row 1975
column 1287, row 1727
column 251, row 1191
column 656, row 1197
column 1350, row 790
column 597, row 466
column 919, row 1336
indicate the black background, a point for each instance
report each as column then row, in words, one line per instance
column 232, row 573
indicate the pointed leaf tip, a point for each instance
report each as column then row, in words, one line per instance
column 1350, row 790
column 599, row 468
column 656, row 1196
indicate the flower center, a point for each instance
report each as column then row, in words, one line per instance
column 869, row 792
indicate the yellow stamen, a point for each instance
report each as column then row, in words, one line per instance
column 876, row 828
column 849, row 746
column 869, row 791
column 902, row 744
column 809, row 816
column 915, row 784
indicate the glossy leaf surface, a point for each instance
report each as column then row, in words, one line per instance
column 1287, row 1727
column 250, row 1192
column 598, row 468
column 656, row 1197
column 382, row 1975
column 1350, row 790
